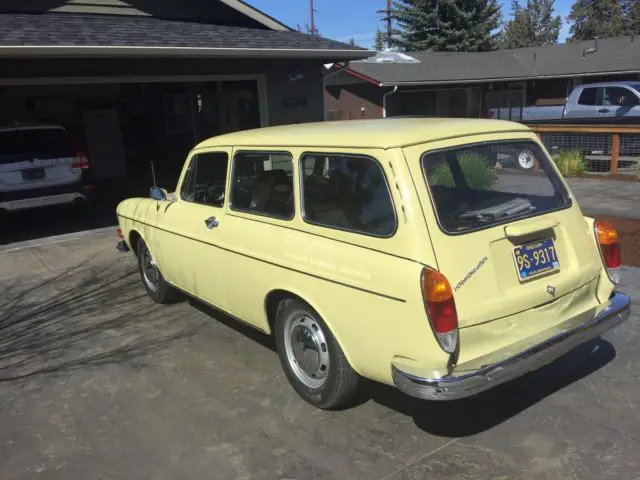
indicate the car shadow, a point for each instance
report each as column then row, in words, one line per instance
column 235, row 324
column 466, row 417
column 83, row 317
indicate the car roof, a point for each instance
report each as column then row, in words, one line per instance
column 40, row 126
column 625, row 83
column 380, row 133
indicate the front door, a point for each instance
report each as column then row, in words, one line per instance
column 189, row 226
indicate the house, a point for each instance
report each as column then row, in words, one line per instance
column 142, row 80
column 460, row 84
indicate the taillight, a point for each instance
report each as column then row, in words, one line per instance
column 81, row 161
column 490, row 114
column 119, row 234
column 609, row 243
column 441, row 308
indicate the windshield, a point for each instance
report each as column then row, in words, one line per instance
column 477, row 186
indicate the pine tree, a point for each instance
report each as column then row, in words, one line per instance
column 352, row 42
column 531, row 25
column 445, row 25
column 379, row 41
column 598, row 18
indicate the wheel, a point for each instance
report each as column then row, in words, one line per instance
column 526, row 159
column 314, row 363
column 154, row 283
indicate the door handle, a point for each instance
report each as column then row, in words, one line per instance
column 211, row 222
column 603, row 110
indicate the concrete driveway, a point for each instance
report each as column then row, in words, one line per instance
column 96, row 381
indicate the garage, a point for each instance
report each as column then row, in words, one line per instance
column 133, row 88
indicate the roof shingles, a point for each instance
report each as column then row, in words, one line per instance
column 68, row 29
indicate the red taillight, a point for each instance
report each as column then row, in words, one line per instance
column 607, row 237
column 441, row 308
column 81, row 161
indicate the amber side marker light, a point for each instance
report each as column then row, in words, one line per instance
column 609, row 243
column 441, row 308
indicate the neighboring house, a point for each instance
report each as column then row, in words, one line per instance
column 457, row 84
column 146, row 80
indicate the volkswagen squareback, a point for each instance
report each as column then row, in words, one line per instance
column 413, row 252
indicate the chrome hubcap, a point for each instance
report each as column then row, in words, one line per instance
column 307, row 350
column 149, row 270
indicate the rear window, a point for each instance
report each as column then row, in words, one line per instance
column 482, row 185
column 42, row 144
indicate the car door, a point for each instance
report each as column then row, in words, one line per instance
column 586, row 107
column 189, row 226
column 618, row 102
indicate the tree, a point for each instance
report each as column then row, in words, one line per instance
column 598, row 18
column 445, row 25
column 352, row 42
column 379, row 41
column 531, row 25
column 308, row 30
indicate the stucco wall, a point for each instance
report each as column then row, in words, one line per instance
column 294, row 93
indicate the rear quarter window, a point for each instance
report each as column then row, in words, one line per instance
column 482, row 185
column 347, row 192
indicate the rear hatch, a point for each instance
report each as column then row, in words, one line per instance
column 38, row 157
column 506, row 233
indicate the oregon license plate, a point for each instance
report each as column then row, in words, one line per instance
column 533, row 259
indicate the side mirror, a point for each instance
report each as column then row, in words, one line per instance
column 158, row 193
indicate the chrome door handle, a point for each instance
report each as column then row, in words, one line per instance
column 211, row 222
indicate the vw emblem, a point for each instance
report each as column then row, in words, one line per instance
column 551, row 290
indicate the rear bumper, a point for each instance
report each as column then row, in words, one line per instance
column 467, row 383
column 42, row 197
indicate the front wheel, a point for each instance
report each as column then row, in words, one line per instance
column 314, row 363
column 154, row 283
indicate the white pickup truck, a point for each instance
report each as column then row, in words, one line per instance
column 613, row 102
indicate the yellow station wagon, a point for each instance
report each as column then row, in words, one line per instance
column 419, row 253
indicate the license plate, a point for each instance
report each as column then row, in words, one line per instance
column 537, row 258
column 33, row 174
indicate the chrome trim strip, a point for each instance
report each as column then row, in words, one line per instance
column 453, row 387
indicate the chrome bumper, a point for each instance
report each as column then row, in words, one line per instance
column 465, row 384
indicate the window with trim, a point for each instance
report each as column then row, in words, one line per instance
column 588, row 96
column 619, row 96
column 205, row 179
column 347, row 192
column 262, row 183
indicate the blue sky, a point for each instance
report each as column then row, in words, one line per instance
column 343, row 19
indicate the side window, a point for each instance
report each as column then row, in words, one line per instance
column 588, row 96
column 262, row 183
column 619, row 96
column 205, row 179
column 347, row 192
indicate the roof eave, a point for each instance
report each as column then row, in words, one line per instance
column 74, row 51
column 505, row 79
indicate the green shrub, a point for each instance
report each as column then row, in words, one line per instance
column 478, row 172
column 570, row 163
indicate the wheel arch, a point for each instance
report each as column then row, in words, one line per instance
column 134, row 236
column 276, row 296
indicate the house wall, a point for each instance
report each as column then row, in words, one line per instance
column 354, row 101
column 197, row 10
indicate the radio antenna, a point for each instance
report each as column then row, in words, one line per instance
column 153, row 174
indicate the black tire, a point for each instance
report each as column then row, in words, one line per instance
column 340, row 385
column 163, row 293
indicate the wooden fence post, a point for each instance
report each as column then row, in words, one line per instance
column 615, row 152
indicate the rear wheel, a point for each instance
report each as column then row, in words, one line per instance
column 314, row 363
column 154, row 283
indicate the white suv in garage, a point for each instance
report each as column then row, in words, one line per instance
column 41, row 165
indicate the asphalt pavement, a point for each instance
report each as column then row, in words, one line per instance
column 96, row 381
